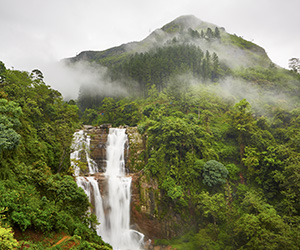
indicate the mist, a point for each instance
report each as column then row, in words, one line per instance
column 260, row 99
column 68, row 79
column 233, row 90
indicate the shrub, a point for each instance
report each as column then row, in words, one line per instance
column 214, row 173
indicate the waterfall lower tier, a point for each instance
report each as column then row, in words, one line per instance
column 117, row 230
column 112, row 207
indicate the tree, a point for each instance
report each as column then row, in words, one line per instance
column 261, row 227
column 206, row 66
column 290, row 186
column 194, row 33
column 202, row 35
column 243, row 122
column 109, row 109
column 7, row 240
column 217, row 33
column 2, row 72
column 214, row 173
column 179, row 92
column 209, row 33
column 212, row 205
column 90, row 116
column 215, row 67
column 9, row 121
column 36, row 128
column 37, row 76
column 294, row 65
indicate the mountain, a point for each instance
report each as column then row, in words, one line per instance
column 231, row 49
column 187, row 46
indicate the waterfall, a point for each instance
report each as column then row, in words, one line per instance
column 81, row 146
column 91, row 188
column 112, row 208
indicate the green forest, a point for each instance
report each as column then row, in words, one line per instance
column 232, row 168
column 222, row 142
column 38, row 195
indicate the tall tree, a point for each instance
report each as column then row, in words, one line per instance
column 217, row 33
column 243, row 122
column 2, row 72
column 215, row 67
column 10, row 113
column 209, row 33
column 294, row 64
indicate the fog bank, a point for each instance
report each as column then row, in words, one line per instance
column 69, row 79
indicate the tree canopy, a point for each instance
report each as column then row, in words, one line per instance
column 37, row 191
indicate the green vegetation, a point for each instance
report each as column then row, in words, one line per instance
column 214, row 173
column 233, row 168
column 228, row 160
column 37, row 191
column 242, row 43
column 7, row 240
column 158, row 67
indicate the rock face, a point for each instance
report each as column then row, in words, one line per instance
column 136, row 150
column 149, row 214
column 98, row 144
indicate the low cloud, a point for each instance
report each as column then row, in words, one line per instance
column 260, row 99
column 70, row 78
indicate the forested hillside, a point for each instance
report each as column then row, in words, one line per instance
column 185, row 46
column 39, row 199
column 220, row 124
column 219, row 160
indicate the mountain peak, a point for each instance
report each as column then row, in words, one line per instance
column 186, row 22
column 232, row 50
column 188, row 19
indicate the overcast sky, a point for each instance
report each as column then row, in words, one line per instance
column 36, row 32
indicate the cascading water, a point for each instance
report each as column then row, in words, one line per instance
column 113, row 211
column 81, row 146
column 117, row 228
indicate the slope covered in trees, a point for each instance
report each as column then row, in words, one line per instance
column 221, row 133
column 219, row 160
column 186, row 45
column 37, row 192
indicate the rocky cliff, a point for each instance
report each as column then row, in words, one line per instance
column 149, row 214
column 98, row 141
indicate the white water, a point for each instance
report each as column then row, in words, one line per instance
column 81, row 145
column 115, row 221
column 117, row 229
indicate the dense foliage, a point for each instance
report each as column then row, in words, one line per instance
column 37, row 191
column 233, row 166
column 222, row 142
column 156, row 66
column 140, row 71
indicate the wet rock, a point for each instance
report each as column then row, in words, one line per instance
column 98, row 145
column 150, row 215
column 135, row 158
